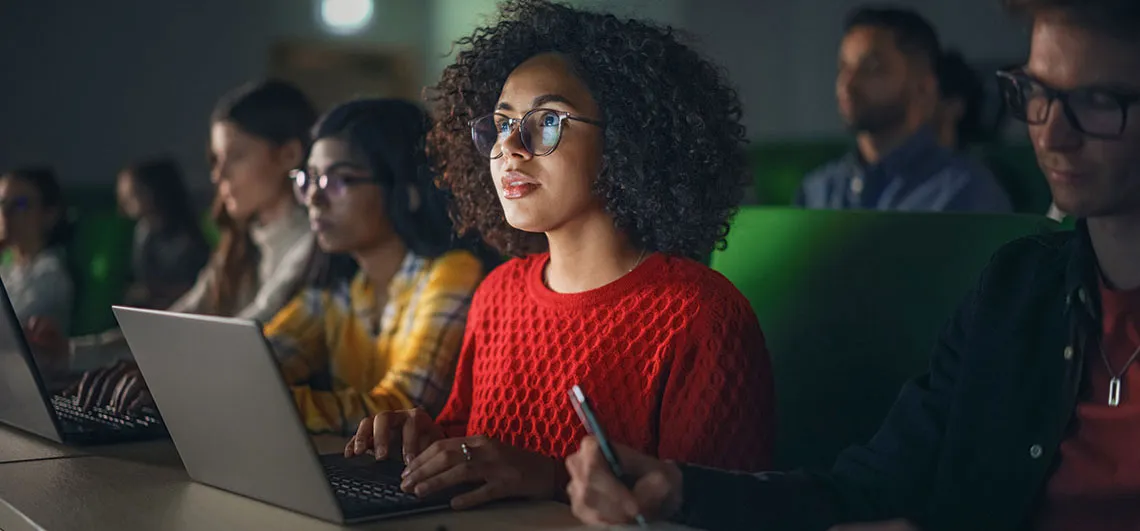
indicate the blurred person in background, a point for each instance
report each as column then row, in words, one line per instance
column 169, row 249
column 33, row 235
column 259, row 134
column 888, row 89
column 380, row 319
column 958, row 116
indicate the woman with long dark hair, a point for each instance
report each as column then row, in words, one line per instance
column 259, row 134
column 169, row 248
column 33, row 233
column 379, row 324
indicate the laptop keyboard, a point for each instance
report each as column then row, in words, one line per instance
column 360, row 493
column 102, row 418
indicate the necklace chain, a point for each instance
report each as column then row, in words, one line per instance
column 1115, row 383
column 642, row 257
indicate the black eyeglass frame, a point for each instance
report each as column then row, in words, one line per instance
column 1009, row 81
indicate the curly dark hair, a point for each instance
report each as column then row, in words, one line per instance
column 673, row 166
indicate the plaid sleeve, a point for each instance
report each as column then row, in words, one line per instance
column 297, row 335
column 423, row 362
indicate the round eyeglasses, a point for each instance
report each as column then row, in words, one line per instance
column 539, row 129
column 334, row 186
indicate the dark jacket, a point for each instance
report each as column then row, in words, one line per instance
column 969, row 445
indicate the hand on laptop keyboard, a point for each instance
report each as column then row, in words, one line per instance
column 376, row 434
column 500, row 470
column 120, row 388
column 437, row 465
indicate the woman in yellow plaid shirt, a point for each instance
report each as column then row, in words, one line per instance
column 380, row 322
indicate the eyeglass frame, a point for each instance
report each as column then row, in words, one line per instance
column 321, row 181
column 1017, row 75
column 515, row 125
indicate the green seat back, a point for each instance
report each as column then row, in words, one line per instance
column 851, row 304
column 210, row 230
column 779, row 167
column 100, row 255
column 1015, row 167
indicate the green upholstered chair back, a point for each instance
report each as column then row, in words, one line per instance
column 779, row 167
column 100, row 256
column 851, row 304
column 210, row 229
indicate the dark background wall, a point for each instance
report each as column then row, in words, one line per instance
column 88, row 86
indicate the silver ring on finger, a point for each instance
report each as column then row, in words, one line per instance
column 466, row 451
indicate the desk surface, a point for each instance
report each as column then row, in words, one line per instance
column 44, row 485
column 97, row 492
column 143, row 486
column 16, row 445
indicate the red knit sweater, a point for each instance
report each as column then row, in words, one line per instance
column 671, row 356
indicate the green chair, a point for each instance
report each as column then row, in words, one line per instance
column 779, row 167
column 1016, row 169
column 100, row 256
column 210, row 229
column 851, row 304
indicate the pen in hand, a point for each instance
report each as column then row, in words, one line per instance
column 586, row 414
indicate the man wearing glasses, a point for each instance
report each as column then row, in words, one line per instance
column 1030, row 415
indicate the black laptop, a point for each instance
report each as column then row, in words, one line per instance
column 27, row 404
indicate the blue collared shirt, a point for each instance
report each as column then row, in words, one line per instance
column 919, row 175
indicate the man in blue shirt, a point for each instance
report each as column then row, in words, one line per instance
column 887, row 90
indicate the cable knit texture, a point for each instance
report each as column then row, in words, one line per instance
column 671, row 356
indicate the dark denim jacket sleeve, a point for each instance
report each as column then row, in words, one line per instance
column 887, row 478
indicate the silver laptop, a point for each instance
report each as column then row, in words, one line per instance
column 29, row 403
column 236, row 426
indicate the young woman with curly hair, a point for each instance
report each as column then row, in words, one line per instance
column 604, row 155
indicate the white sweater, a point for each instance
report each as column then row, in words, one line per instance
column 284, row 247
column 40, row 288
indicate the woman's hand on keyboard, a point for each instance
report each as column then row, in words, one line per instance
column 119, row 387
column 376, row 434
column 499, row 469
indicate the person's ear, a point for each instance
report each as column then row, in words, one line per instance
column 954, row 109
column 291, row 154
column 927, row 95
column 52, row 216
column 928, row 86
